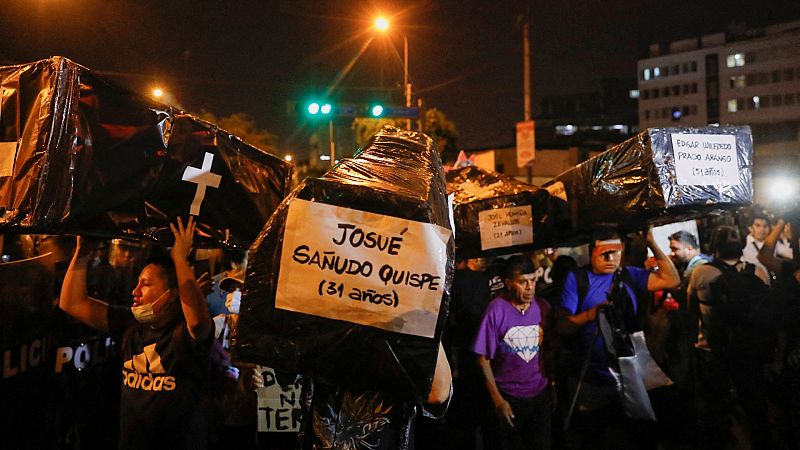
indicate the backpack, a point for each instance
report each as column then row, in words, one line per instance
column 742, row 318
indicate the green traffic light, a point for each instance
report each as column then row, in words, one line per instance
column 326, row 108
column 377, row 111
column 313, row 108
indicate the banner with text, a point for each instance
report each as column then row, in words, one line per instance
column 361, row 267
column 278, row 406
column 505, row 227
column 705, row 159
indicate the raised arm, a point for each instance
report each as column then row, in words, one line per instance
column 766, row 255
column 194, row 306
column 74, row 299
column 667, row 276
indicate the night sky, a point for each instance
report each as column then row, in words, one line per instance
column 465, row 56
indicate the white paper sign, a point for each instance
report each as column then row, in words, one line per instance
column 279, row 407
column 504, row 227
column 364, row 268
column 705, row 159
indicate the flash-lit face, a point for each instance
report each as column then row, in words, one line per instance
column 606, row 260
column 759, row 229
column 680, row 252
column 522, row 287
column 152, row 284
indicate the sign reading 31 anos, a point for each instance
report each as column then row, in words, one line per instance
column 360, row 267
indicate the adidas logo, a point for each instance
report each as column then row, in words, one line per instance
column 138, row 372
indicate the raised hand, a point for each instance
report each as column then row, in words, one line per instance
column 184, row 237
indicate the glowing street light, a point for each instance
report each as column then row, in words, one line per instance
column 158, row 92
column 287, row 158
column 382, row 24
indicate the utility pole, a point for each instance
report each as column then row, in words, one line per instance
column 333, row 143
column 526, row 73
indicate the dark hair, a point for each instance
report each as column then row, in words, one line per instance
column 602, row 235
column 517, row 264
column 158, row 258
column 726, row 242
column 684, row 237
column 561, row 267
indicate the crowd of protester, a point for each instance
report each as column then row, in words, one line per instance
column 530, row 365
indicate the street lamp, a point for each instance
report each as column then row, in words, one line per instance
column 382, row 24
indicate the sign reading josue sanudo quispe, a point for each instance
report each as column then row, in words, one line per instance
column 360, row 267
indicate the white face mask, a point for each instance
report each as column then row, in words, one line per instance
column 233, row 301
column 145, row 313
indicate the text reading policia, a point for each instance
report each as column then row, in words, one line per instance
column 355, row 237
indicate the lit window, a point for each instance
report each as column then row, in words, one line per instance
column 621, row 128
column 756, row 102
column 647, row 74
column 735, row 60
column 732, row 106
column 656, row 72
column 738, row 81
column 634, row 93
column 566, row 130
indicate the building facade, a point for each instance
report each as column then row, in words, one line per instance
column 745, row 77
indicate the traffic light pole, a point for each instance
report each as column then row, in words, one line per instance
column 333, row 144
column 406, row 84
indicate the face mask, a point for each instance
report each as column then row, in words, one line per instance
column 146, row 313
column 233, row 301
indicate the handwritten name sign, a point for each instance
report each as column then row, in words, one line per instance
column 361, row 267
column 705, row 159
column 504, row 227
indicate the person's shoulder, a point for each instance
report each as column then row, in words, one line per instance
column 496, row 303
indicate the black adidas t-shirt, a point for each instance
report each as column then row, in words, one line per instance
column 164, row 376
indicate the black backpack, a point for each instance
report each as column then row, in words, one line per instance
column 742, row 318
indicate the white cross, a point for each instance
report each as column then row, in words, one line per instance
column 202, row 177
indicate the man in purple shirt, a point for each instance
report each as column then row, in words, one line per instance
column 509, row 344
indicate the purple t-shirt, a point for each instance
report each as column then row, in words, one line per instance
column 511, row 340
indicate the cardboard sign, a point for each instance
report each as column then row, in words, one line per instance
column 279, row 407
column 505, row 227
column 364, row 268
column 705, row 159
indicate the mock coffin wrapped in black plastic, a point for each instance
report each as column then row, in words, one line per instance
column 496, row 214
column 349, row 281
column 78, row 154
column 659, row 176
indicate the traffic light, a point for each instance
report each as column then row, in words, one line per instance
column 376, row 110
column 319, row 109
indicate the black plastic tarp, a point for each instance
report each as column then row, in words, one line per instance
column 496, row 214
column 80, row 155
column 397, row 186
column 659, row 176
